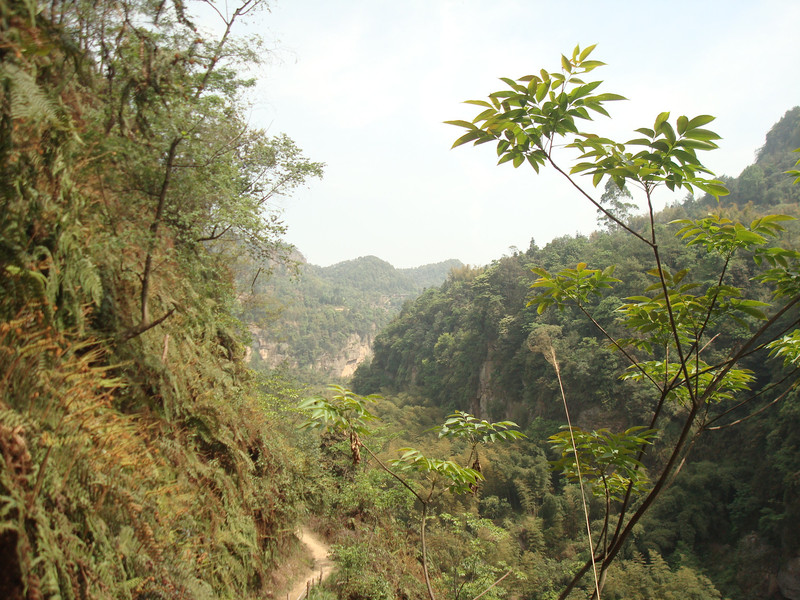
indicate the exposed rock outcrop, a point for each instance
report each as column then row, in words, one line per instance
column 343, row 364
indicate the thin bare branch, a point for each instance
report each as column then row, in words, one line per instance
column 142, row 327
column 484, row 592
column 597, row 205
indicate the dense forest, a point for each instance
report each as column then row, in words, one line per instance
column 143, row 458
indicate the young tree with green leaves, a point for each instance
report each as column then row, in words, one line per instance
column 675, row 345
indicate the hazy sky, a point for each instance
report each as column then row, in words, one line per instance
column 365, row 85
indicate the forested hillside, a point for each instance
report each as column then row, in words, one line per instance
column 140, row 457
column 478, row 344
column 321, row 321
column 465, row 344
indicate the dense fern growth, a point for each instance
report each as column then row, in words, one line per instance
column 138, row 456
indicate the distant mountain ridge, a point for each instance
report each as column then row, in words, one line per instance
column 322, row 320
column 370, row 273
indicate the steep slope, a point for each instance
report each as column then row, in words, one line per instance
column 139, row 458
column 764, row 183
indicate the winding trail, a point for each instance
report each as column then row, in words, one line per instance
column 322, row 564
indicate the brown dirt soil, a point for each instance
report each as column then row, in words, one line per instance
column 322, row 564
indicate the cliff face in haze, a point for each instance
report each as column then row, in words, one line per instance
column 340, row 364
column 324, row 319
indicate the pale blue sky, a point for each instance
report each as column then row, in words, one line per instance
column 364, row 86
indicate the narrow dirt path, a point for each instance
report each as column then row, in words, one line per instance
column 322, row 564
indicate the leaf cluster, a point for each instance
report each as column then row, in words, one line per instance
column 477, row 431
column 526, row 119
column 457, row 479
column 344, row 411
column 668, row 157
column 573, row 285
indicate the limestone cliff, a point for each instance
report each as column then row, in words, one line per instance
column 324, row 319
column 341, row 364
